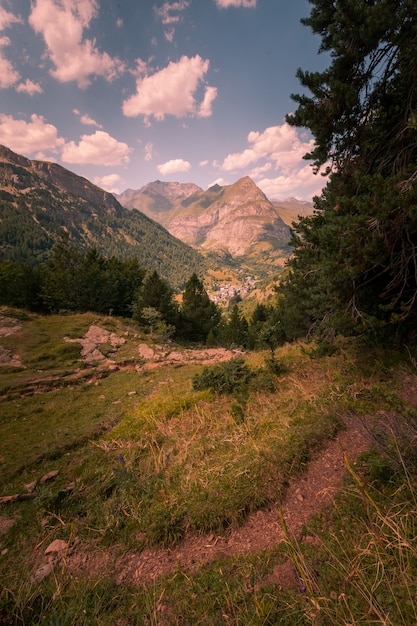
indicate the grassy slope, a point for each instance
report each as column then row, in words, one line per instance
column 193, row 460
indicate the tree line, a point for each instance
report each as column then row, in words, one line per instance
column 73, row 280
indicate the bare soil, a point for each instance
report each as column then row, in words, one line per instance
column 306, row 496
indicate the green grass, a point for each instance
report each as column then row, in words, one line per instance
column 143, row 459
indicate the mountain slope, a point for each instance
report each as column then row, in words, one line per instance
column 291, row 209
column 39, row 200
column 237, row 219
column 157, row 199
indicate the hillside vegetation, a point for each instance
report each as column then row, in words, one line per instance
column 183, row 464
column 115, row 442
column 40, row 201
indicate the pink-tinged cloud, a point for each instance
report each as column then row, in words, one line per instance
column 170, row 15
column 149, row 151
column 97, row 149
column 110, row 183
column 61, row 23
column 29, row 138
column 8, row 75
column 224, row 4
column 280, row 149
column 279, row 144
column 7, row 18
column 173, row 167
column 29, row 87
column 302, row 184
column 86, row 119
column 206, row 107
column 166, row 11
column 171, row 91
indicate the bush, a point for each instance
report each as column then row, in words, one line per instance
column 232, row 376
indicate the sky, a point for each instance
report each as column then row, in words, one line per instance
column 126, row 92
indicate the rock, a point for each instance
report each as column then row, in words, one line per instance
column 117, row 341
column 57, row 546
column 145, row 352
column 49, row 476
column 43, row 572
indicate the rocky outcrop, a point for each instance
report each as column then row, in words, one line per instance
column 158, row 199
column 233, row 218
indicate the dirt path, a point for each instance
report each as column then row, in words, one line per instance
column 306, row 496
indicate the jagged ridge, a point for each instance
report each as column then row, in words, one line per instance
column 234, row 218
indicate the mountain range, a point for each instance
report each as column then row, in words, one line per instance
column 39, row 200
column 236, row 219
column 173, row 228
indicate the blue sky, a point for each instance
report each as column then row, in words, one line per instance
column 125, row 92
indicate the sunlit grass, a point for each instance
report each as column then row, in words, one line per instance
column 143, row 458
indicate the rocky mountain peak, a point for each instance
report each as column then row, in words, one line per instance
column 8, row 156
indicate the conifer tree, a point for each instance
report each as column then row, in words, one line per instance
column 156, row 293
column 236, row 329
column 355, row 262
column 199, row 315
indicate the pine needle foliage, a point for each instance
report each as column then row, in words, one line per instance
column 355, row 264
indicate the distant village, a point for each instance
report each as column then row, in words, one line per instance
column 226, row 293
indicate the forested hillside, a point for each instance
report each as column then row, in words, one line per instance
column 39, row 201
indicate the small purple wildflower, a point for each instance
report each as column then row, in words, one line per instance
column 121, row 459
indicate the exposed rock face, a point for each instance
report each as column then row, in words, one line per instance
column 233, row 218
column 63, row 179
column 157, row 199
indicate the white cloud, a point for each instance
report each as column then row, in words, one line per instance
column 280, row 144
column 97, row 149
column 223, row 4
column 174, row 166
column 110, row 183
column 29, row 87
column 170, row 15
column 29, row 138
column 86, row 119
column 61, row 23
column 7, row 18
column 171, row 91
column 302, row 184
column 149, row 151
column 278, row 148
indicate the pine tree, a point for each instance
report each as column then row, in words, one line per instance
column 236, row 329
column 199, row 315
column 355, row 262
column 60, row 277
column 156, row 293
